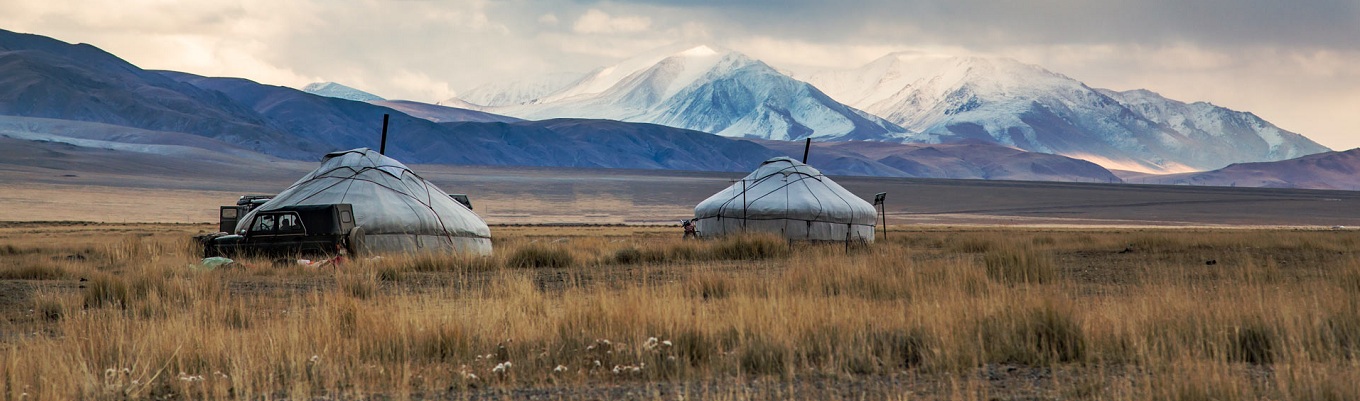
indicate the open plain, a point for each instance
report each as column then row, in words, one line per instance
column 122, row 311
column 981, row 290
column 124, row 189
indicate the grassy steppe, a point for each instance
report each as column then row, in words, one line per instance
column 974, row 313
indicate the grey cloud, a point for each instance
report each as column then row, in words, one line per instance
column 985, row 23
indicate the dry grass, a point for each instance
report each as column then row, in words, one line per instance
column 987, row 314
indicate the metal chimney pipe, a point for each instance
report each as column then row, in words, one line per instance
column 806, row 147
column 382, row 148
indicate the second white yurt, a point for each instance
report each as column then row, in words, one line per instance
column 790, row 198
column 398, row 210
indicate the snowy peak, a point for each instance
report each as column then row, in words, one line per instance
column 512, row 93
column 1230, row 130
column 887, row 79
column 705, row 88
column 666, row 68
column 335, row 90
column 947, row 99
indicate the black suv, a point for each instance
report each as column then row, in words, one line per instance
column 228, row 215
column 292, row 231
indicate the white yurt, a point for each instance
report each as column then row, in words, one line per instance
column 397, row 210
column 790, row 198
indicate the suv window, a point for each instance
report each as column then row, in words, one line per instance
column 263, row 224
column 290, row 223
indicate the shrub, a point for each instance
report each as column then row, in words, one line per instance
column 10, row 249
column 361, row 286
column 970, row 244
column 760, row 356
column 39, row 271
column 682, row 252
column 627, row 256
column 389, row 274
column 442, row 343
column 751, row 247
column 50, row 308
column 236, row 317
column 900, row 347
column 1349, row 278
column 710, row 286
column 1342, row 331
column 695, row 347
column 1033, row 336
column 533, row 256
column 1020, row 265
column 445, row 263
column 105, row 290
column 1253, row 343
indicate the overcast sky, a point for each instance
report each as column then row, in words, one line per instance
column 1294, row 63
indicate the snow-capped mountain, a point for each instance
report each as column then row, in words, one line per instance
column 335, row 90
column 512, row 93
column 945, row 99
column 707, row 89
column 1227, row 130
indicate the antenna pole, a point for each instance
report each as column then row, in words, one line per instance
column 807, row 146
column 882, row 211
column 382, row 148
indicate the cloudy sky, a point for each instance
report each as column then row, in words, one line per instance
column 1293, row 63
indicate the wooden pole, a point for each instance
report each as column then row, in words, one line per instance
column 806, row 146
column 883, row 212
column 382, row 147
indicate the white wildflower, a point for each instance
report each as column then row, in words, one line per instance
column 618, row 369
column 560, row 369
column 667, row 343
column 314, row 359
column 650, row 344
column 501, row 367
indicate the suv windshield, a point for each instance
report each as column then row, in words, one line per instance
column 282, row 223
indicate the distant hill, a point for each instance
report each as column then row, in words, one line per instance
column 1331, row 170
column 442, row 114
column 345, row 124
column 46, row 78
column 962, row 160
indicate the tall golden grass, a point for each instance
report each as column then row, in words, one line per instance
column 1117, row 315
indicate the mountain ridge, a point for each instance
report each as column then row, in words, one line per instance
column 708, row 89
column 80, row 96
column 944, row 98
